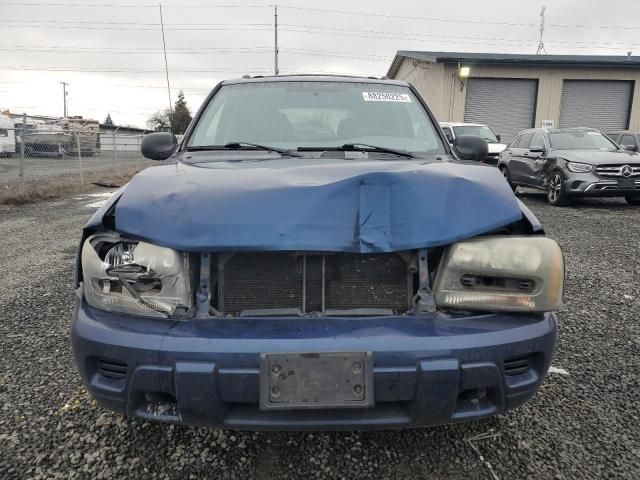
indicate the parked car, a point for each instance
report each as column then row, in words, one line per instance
column 354, row 275
column 455, row 129
column 627, row 139
column 7, row 136
column 569, row 163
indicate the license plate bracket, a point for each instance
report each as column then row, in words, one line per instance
column 626, row 183
column 315, row 380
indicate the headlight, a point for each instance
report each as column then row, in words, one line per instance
column 579, row 167
column 519, row 274
column 126, row 276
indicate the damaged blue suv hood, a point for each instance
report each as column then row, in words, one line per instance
column 314, row 205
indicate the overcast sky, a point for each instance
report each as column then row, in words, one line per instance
column 112, row 54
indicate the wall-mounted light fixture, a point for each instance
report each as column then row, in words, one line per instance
column 463, row 74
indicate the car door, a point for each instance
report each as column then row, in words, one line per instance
column 534, row 160
column 517, row 165
column 505, row 155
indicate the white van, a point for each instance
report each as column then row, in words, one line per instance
column 7, row 137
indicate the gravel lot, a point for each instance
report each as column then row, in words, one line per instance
column 584, row 425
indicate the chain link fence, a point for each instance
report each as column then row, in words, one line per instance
column 35, row 156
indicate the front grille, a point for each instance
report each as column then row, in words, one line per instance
column 609, row 185
column 616, row 170
column 517, row 366
column 112, row 369
column 311, row 282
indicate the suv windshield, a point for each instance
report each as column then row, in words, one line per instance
column 322, row 115
column 479, row 131
column 579, row 140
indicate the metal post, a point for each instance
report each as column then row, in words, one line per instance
column 64, row 97
column 24, row 126
column 115, row 153
column 166, row 70
column 79, row 157
column 276, row 70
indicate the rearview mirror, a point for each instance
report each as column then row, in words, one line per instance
column 471, row 147
column 158, row 146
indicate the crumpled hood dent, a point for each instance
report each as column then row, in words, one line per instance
column 370, row 206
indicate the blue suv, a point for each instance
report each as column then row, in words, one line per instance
column 315, row 255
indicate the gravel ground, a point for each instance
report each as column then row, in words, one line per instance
column 584, row 425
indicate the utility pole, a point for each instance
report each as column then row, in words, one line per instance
column 166, row 70
column 541, row 48
column 276, row 70
column 64, row 97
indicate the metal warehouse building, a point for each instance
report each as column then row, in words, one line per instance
column 513, row 92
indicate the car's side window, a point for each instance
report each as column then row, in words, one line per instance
column 448, row 133
column 537, row 142
column 525, row 140
column 628, row 141
column 514, row 142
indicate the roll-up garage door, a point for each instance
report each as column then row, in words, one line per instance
column 602, row 104
column 507, row 105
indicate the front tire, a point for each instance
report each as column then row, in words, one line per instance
column 507, row 177
column 556, row 194
column 632, row 199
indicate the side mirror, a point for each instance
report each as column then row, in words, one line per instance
column 498, row 137
column 158, row 146
column 631, row 148
column 471, row 147
column 538, row 149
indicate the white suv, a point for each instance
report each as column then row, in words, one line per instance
column 455, row 129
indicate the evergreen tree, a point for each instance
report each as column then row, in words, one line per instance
column 181, row 115
column 178, row 120
column 108, row 121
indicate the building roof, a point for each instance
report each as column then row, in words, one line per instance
column 515, row 58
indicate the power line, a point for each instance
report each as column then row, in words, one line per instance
column 244, row 27
column 97, row 70
column 403, row 17
column 403, row 36
column 122, row 5
column 454, row 20
column 148, row 24
column 132, row 52
column 406, row 34
column 319, row 10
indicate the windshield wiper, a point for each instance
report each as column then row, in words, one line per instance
column 240, row 145
column 360, row 147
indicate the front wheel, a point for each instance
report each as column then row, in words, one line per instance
column 507, row 177
column 556, row 194
column 632, row 199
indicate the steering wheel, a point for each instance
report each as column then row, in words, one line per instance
column 373, row 131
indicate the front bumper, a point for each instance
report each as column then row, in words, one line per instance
column 592, row 185
column 427, row 371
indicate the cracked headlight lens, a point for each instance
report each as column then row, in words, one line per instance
column 126, row 276
column 518, row 274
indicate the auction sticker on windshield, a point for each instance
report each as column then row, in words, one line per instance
column 386, row 97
